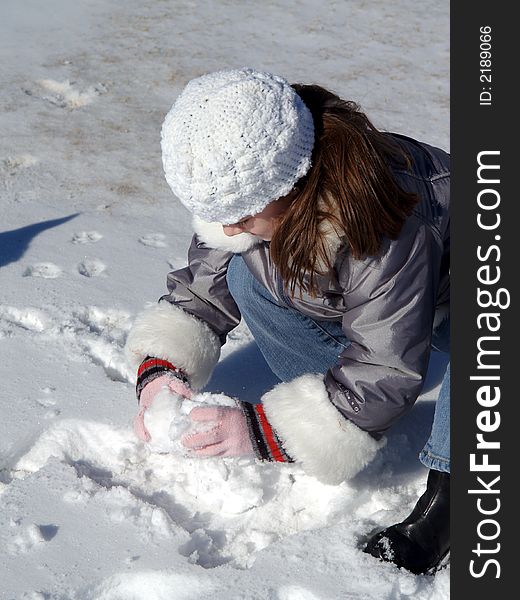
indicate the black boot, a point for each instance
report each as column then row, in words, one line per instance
column 422, row 540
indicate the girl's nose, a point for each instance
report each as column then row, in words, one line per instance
column 231, row 230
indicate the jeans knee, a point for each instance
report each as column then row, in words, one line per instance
column 238, row 277
column 250, row 296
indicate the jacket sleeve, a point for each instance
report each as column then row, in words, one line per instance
column 389, row 322
column 201, row 288
column 333, row 425
column 189, row 324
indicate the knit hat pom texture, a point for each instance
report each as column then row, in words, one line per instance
column 234, row 141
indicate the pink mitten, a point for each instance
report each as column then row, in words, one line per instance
column 229, row 436
column 153, row 375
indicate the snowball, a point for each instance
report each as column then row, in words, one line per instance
column 168, row 419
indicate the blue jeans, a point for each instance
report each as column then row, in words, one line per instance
column 294, row 344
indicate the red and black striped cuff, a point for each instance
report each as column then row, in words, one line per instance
column 151, row 368
column 266, row 443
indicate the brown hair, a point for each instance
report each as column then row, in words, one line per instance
column 350, row 187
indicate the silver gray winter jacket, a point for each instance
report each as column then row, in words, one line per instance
column 387, row 304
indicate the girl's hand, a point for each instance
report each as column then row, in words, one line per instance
column 228, row 437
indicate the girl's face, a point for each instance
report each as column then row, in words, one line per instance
column 264, row 223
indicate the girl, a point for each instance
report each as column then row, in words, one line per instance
column 331, row 240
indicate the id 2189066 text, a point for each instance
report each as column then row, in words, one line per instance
column 486, row 73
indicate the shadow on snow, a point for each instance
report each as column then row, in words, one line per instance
column 14, row 244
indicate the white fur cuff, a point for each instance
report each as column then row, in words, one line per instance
column 168, row 332
column 313, row 431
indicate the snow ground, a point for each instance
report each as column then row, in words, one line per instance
column 89, row 231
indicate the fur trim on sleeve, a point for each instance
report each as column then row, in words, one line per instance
column 315, row 433
column 168, row 332
column 214, row 237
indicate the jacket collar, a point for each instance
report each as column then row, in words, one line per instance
column 212, row 234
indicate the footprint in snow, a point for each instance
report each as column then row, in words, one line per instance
column 48, row 402
column 30, row 319
column 29, row 537
column 15, row 163
column 65, row 94
column 91, row 267
column 154, row 240
column 47, row 270
column 86, row 237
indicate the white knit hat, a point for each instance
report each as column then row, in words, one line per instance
column 234, row 141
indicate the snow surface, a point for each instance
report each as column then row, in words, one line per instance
column 89, row 231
